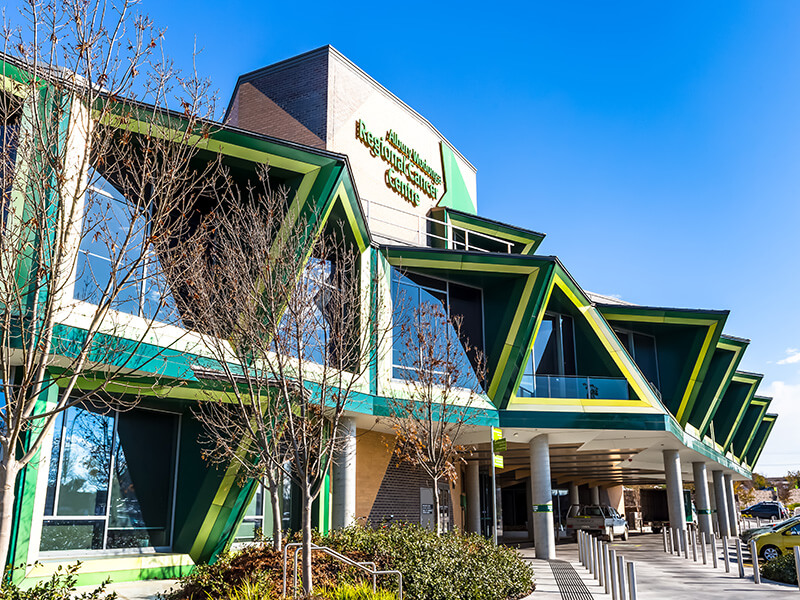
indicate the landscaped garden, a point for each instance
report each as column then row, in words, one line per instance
column 451, row 566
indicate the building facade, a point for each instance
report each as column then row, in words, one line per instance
column 590, row 393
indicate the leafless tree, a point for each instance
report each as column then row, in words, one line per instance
column 84, row 110
column 292, row 326
column 442, row 374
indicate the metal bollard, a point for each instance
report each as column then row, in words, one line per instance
column 593, row 541
column 685, row 543
column 580, row 547
column 664, row 535
column 606, row 569
column 703, row 547
column 754, row 556
column 587, row 557
column 621, row 576
column 726, row 554
column 676, row 541
column 590, row 554
column 669, row 539
column 612, row 562
column 797, row 563
column 714, row 551
column 631, row 581
column 601, row 570
column 739, row 557
column 693, row 535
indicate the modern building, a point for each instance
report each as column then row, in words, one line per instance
column 591, row 393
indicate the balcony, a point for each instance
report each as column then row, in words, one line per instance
column 571, row 386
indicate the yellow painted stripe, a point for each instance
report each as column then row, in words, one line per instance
column 619, row 403
column 612, row 344
column 512, row 333
column 687, row 394
column 612, row 316
column 722, row 386
column 341, row 194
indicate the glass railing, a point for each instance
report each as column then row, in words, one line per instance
column 573, row 386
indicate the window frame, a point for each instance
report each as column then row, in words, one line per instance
column 631, row 349
column 105, row 551
column 396, row 273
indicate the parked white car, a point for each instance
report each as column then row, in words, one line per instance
column 602, row 520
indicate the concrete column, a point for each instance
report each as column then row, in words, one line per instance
column 595, row 490
column 721, row 504
column 529, row 512
column 344, row 476
column 672, row 470
column 473, row 485
column 733, row 520
column 701, row 498
column 574, row 495
column 543, row 536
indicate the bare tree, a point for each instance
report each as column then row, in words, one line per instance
column 292, row 327
column 94, row 169
column 442, row 373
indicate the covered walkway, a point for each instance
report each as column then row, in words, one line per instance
column 660, row 575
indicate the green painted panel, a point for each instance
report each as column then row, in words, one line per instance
column 760, row 440
column 456, row 195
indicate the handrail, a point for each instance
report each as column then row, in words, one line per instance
column 422, row 235
column 342, row 558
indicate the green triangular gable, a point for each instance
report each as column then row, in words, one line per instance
column 513, row 290
column 727, row 356
column 685, row 340
column 598, row 350
column 752, row 419
column 731, row 410
column 760, row 439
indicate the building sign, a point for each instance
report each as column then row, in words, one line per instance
column 409, row 174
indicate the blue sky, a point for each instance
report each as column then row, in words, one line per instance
column 657, row 144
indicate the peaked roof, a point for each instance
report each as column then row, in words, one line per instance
column 686, row 339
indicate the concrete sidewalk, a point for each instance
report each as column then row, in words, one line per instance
column 660, row 576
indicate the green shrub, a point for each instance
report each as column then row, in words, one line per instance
column 780, row 569
column 248, row 589
column 60, row 586
column 452, row 566
column 348, row 591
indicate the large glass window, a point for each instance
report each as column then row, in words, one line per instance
column 9, row 139
column 409, row 292
column 111, row 480
column 551, row 368
column 109, row 225
column 319, row 314
column 643, row 351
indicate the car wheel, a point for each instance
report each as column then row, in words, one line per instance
column 656, row 529
column 770, row 552
column 625, row 535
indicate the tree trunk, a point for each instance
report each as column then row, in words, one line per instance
column 436, row 510
column 8, row 478
column 308, row 584
column 277, row 523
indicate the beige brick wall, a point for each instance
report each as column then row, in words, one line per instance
column 373, row 453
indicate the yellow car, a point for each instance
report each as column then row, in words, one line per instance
column 774, row 543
